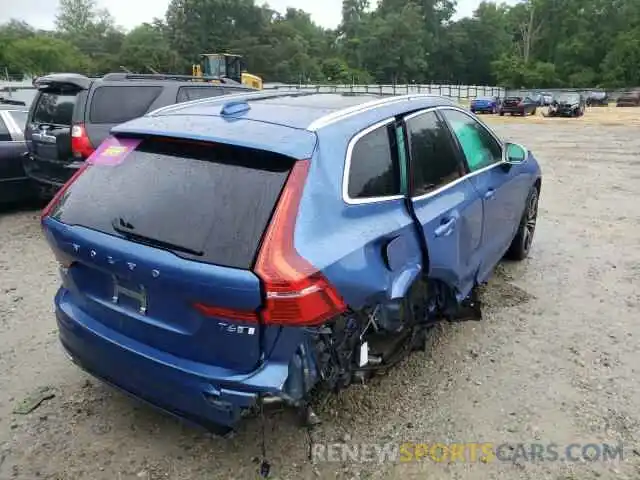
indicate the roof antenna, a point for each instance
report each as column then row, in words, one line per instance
column 126, row 70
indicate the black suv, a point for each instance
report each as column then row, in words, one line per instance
column 72, row 114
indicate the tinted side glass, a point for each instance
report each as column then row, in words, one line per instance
column 122, row 103
column 205, row 202
column 434, row 162
column 20, row 118
column 196, row 93
column 478, row 145
column 4, row 132
column 55, row 107
column 374, row 169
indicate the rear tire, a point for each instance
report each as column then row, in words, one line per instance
column 521, row 244
column 533, row 112
column 501, row 113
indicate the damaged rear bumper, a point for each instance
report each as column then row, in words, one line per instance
column 210, row 396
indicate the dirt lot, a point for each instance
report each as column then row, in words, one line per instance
column 555, row 360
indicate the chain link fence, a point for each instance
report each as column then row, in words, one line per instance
column 458, row 92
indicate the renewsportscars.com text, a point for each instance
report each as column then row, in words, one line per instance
column 466, row 452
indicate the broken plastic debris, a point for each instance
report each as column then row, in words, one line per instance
column 34, row 400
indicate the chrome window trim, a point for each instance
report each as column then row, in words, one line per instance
column 347, row 168
column 435, row 192
column 354, row 140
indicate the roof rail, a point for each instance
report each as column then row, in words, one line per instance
column 338, row 115
column 119, row 76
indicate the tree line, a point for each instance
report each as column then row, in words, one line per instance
column 535, row 43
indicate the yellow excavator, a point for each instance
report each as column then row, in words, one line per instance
column 225, row 68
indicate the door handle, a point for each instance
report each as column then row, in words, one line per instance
column 445, row 229
column 489, row 194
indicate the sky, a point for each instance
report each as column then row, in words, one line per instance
column 129, row 13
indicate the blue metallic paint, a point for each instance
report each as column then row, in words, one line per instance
column 453, row 254
column 344, row 241
column 293, row 142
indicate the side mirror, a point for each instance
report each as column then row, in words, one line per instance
column 514, row 154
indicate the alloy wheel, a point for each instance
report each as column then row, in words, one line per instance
column 530, row 222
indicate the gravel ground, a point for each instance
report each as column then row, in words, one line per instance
column 553, row 360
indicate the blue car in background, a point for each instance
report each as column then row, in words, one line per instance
column 223, row 253
column 485, row 105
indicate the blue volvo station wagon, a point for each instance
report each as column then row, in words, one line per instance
column 223, row 253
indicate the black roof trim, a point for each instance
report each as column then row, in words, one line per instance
column 118, row 76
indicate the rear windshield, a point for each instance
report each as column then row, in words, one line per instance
column 205, row 202
column 55, row 106
column 120, row 104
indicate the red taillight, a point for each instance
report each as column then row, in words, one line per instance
column 80, row 144
column 227, row 313
column 54, row 201
column 296, row 292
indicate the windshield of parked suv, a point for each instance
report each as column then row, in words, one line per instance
column 206, row 202
column 55, row 107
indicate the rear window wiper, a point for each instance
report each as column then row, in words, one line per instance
column 126, row 230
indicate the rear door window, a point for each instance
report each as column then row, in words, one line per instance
column 118, row 104
column 55, row 107
column 205, row 202
column 196, row 93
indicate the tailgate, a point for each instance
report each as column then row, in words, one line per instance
column 149, row 295
column 159, row 237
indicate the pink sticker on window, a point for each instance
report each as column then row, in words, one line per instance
column 113, row 151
